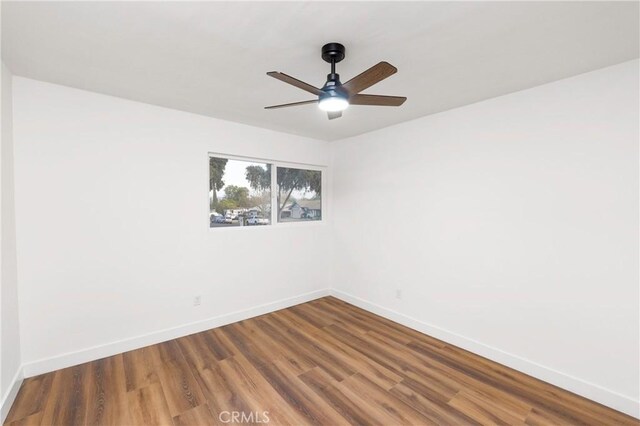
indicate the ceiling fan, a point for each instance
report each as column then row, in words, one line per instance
column 334, row 97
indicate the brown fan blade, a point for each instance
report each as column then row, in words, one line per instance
column 292, row 104
column 333, row 115
column 370, row 77
column 295, row 82
column 378, row 100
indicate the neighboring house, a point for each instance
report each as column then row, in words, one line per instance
column 306, row 209
column 285, row 213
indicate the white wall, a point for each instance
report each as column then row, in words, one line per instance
column 510, row 226
column 9, row 330
column 112, row 217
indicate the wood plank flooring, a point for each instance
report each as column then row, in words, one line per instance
column 324, row 363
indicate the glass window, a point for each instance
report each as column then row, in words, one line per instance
column 299, row 194
column 239, row 193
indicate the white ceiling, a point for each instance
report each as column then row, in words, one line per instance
column 211, row 58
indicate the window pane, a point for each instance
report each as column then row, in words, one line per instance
column 299, row 195
column 239, row 193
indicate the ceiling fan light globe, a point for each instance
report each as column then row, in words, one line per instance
column 333, row 104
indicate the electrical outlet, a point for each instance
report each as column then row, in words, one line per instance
column 398, row 294
column 196, row 301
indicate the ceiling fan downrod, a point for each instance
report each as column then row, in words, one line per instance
column 333, row 53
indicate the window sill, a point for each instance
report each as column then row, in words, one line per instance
column 314, row 224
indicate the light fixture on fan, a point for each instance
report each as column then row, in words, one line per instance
column 333, row 103
column 334, row 97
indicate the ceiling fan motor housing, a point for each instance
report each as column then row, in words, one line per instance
column 333, row 84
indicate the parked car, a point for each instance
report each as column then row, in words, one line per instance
column 218, row 219
column 228, row 219
column 255, row 220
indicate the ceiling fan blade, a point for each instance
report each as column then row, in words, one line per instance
column 295, row 82
column 292, row 104
column 333, row 115
column 370, row 77
column 377, row 100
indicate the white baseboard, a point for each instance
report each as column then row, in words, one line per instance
column 7, row 400
column 113, row 348
column 591, row 391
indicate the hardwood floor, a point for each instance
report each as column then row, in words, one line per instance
column 325, row 362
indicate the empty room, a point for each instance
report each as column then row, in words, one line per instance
column 320, row 213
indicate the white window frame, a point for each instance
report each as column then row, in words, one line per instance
column 274, row 222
